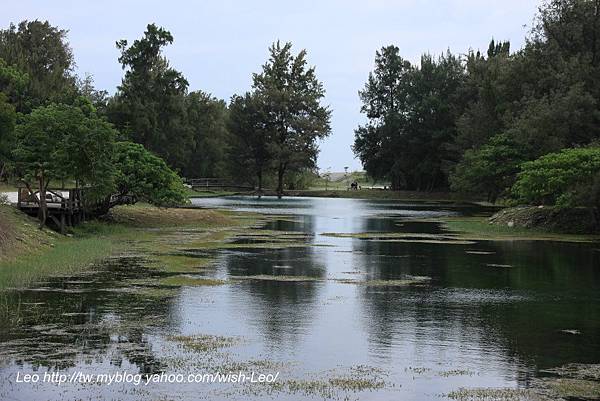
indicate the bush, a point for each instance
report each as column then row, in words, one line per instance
column 489, row 170
column 565, row 179
column 144, row 176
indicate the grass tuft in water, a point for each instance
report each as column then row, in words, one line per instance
column 205, row 343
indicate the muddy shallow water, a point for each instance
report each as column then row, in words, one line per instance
column 410, row 312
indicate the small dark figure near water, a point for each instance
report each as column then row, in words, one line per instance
column 354, row 186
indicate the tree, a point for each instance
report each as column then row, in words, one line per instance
column 207, row 120
column 563, row 179
column 489, row 170
column 43, row 53
column 249, row 137
column 149, row 106
column 7, row 126
column 140, row 175
column 60, row 142
column 288, row 94
column 488, row 100
column 13, row 83
column 98, row 98
column 384, row 99
column 412, row 114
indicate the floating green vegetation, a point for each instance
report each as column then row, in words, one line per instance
column 455, row 372
column 496, row 394
column 578, row 371
column 180, row 263
column 385, row 236
column 187, row 281
column 573, row 381
column 156, row 293
column 268, row 277
column 573, row 388
column 579, row 381
column 424, row 238
column 409, row 280
column 357, row 379
column 204, row 342
column 249, row 365
column 417, row 370
column 245, row 239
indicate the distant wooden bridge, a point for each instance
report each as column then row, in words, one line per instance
column 212, row 184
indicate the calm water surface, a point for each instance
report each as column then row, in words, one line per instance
column 493, row 314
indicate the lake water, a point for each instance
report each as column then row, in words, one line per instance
column 454, row 313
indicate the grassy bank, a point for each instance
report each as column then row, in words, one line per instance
column 28, row 254
column 479, row 228
column 375, row 194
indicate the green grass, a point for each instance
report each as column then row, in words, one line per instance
column 28, row 254
column 65, row 256
column 49, row 254
column 480, row 228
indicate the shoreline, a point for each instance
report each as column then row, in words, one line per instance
column 28, row 254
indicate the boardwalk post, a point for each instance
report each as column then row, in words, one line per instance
column 62, row 222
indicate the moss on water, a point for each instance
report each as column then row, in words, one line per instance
column 573, row 381
column 496, row 394
column 179, row 263
column 405, row 237
column 409, row 280
column 573, row 388
column 266, row 277
column 187, row 281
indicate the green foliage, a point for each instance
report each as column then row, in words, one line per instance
column 489, row 170
column 207, row 118
column 149, row 106
column 59, row 142
column 144, row 176
column 7, row 127
column 412, row 114
column 250, row 153
column 288, row 95
column 13, row 83
column 42, row 52
column 469, row 122
column 565, row 179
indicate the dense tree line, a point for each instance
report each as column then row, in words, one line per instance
column 469, row 123
column 57, row 127
column 54, row 128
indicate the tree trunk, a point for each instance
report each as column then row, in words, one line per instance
column 259, row 176
column 43, row 211
column 280, row 173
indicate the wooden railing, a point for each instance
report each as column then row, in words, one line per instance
column 215, row 183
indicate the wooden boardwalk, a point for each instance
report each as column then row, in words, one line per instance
column 65, row 206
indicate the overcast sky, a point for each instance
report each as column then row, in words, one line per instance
column 218, row 44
